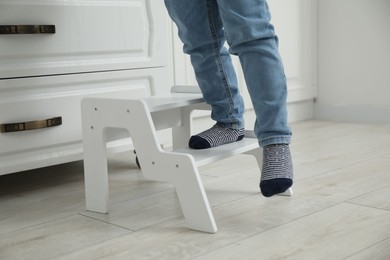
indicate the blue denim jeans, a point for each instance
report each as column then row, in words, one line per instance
column 204, row 27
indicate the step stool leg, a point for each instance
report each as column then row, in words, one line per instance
column 181, row 134
column 193, row 199
column 95, row 170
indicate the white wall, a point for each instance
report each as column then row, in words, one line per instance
column 354, row 60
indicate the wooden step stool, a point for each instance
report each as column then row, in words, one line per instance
column 142, row 117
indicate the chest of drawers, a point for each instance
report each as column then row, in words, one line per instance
column 54, row 53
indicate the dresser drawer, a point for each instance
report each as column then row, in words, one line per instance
column 40, row 98
column 90, row 35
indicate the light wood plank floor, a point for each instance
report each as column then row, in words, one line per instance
column 340, row 208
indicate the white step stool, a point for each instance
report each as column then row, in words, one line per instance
column 142, row 117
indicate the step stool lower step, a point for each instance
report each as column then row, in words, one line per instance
column 206, row 156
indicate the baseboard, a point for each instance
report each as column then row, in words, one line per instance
column 352, row 114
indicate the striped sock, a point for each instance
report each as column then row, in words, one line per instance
column 216, row 136
column 277, row 172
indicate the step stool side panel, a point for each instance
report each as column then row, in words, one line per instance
column 156, row 164
column 99, row 114
column 190, row 191
column 181, row 134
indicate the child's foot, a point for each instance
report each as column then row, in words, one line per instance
column 277, row 172
column 216, row 136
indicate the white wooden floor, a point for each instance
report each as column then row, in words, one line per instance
column 340, row 209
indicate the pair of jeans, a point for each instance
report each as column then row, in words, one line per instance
column 204, row 27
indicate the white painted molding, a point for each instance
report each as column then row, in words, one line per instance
column 353, row 113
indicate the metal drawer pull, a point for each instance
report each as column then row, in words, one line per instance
column 31, row 125
column 27, row 29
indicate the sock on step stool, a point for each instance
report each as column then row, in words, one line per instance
column 216, row 136
column 277, row 172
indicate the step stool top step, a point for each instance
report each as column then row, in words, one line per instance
column 173, row 100
column 206, row 156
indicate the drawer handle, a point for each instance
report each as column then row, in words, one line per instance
column 31, row 125
column 27, row 29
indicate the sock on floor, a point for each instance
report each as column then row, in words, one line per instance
column 216, row 136
column 277, row 172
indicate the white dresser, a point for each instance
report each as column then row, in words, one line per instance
column 54, row 53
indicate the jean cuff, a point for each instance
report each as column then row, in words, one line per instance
column 232, row 125
column 282, row 139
